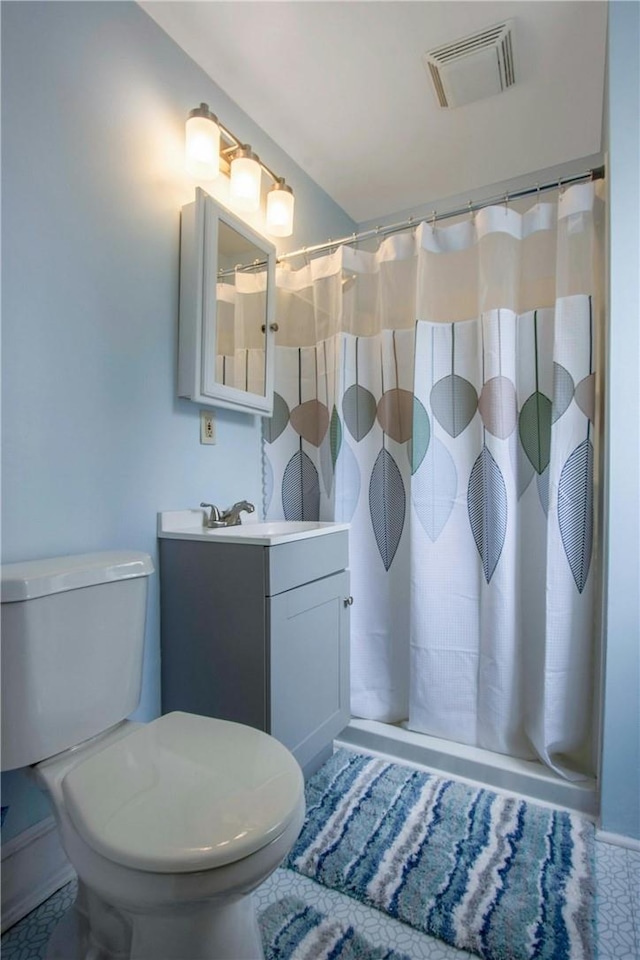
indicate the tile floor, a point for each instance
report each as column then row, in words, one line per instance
column 618, row 892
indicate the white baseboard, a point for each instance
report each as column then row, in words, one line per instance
column 618, row 840
column 34, row 866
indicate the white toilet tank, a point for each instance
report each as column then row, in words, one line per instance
column 72, row 647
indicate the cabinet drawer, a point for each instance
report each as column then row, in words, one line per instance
column 301, row 561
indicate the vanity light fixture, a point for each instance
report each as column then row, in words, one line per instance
column 212, row 148
column 246, row 178
column 202, row 143
column 280, row 201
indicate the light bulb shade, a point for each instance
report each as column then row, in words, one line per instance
column 280, row 201
column 246, row 174
column 202, row 144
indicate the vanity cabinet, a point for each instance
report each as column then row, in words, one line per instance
column 259, row 635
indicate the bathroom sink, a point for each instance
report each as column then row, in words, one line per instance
column 191, row 525
column 275, row 528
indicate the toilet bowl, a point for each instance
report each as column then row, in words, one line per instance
column 170, row 825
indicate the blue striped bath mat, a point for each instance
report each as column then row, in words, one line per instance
column 489, row 874
column 292, row 930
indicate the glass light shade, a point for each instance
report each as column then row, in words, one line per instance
column 246, row 174
column 202, row 147
column 280, row 201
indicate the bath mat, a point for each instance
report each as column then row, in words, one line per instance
column 490, row 874
column 292, row 930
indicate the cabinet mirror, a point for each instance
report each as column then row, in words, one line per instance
column 227, row 288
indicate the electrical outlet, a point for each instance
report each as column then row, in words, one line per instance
column 207, row 427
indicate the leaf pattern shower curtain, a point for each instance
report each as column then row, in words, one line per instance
column 439, row 395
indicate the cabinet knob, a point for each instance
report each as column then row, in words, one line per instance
column 272, row 326
column 348, row 601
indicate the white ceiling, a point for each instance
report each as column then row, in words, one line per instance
column 341, row 87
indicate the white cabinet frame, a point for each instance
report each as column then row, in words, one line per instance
column 198, row 309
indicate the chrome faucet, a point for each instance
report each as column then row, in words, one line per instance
column 214, row 519
column 227, row 518
column 231, row 517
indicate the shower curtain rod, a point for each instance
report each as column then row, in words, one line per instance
column 596, row 174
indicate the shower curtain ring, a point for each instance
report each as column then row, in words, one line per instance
column 433, row 221
column 472, row 215
column 506, row 202
column 538, row 193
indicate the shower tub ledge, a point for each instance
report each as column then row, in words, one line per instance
column 528, row 778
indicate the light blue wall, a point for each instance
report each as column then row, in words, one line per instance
column 620, row 798
column 94, row 441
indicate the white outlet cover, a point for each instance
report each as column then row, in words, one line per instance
column 207, row 427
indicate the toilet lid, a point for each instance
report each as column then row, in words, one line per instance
column 184, row 793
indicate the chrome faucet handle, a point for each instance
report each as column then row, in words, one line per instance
column 215, row 518
column 231, row 517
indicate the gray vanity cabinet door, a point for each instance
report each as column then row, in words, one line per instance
column 214, row 652
column 309, row 664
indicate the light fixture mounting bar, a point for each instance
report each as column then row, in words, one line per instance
column 235, row 144
column 230, row 137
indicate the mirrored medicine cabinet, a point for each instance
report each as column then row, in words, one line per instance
column 227, row 298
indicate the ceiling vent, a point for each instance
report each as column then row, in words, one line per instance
column 473, row 68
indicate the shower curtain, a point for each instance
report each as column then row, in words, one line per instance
column 440, row 395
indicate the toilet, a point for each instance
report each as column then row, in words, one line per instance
column 170, row 825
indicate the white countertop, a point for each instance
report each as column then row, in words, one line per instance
column 191, row 525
